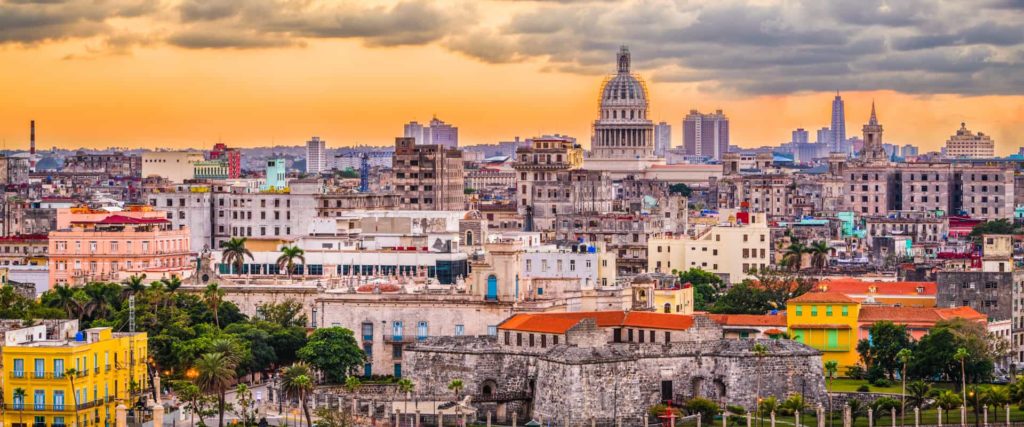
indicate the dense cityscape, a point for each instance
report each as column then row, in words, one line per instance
column 653, row 272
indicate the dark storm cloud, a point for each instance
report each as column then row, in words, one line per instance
column 911, row 46
column 28, row 22
column 271, row 23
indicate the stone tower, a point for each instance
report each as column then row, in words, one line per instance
column 873, row 152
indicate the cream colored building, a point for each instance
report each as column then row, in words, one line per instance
column 970, row 145
column 728, row 249
column 176, row 166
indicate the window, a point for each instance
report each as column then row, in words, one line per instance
column 39, row 400
column 846, row 310
column 508, row 338
column 19, row 368
column 396, row 351
column 828, row 310
column 396, row 330
column 58, row 402
column 799, row 310
column 492, row 330
column 367, row 331
column 40, row 368
column 421, row 330
column 460, row 330
column 814, row 310
column 58, row 368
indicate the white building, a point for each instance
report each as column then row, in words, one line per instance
column 176, row 166
column 437, row 132
column 969, row 145
column 729, row 249
column 662, row 138
column 316, row 155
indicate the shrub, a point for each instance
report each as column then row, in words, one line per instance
column 736, row 409
column 658, row 410
column 706, row 408
column 881, row 382
column 855, row 372
column 863, row 388
column 795, row 402
column 767, row 406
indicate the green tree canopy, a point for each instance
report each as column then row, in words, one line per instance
column 680, row 189
column 998, row 226
column 935, row 353
column 334, row 351
column 706, row 286
column 880, row 352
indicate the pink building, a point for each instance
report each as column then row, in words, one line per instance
column 110, row 246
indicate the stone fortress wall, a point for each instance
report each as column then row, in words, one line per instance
column 590, row 380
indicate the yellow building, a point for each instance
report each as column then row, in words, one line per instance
column 827, row 321
column 38, row 387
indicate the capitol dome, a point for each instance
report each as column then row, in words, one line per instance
column 622, row 129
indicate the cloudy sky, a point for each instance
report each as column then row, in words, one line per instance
column 164, row 73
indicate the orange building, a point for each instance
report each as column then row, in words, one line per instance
column 751, row 326
column 917, row 319
column 906, row 294
column 94, row 245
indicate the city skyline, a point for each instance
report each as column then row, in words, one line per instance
column 152, row 74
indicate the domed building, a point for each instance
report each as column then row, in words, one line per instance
column 623, row 130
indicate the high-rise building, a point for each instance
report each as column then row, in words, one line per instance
column 908, row 151
column 838, row 124
column 437, row 132
column 623, row 131
column 800, row 136
column 706, row 134
column 825, row 137
column 316, row 155
column 662, row 138
column 428, row 177
column 969, row 145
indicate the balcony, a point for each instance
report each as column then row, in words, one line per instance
column 399, row 339
column 39, row 375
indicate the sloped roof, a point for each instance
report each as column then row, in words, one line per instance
column 922, row 315
column 855, row 286
column 559, row 323
column 749, row 319
column 824, row 297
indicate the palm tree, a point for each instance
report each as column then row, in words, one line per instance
column 917, row 392
column 903, row 356
column 456, row 386
column 760, row 351
column 234, row 253
column 214, row 295
column 794, row 255
column 948, row 400
column 856, row 409
column 297, row 381
column 172, row 284
column 767, row 406
column 216, row 374
column 961, row 356
column 71, row 374
column 288, row 256
column 19, row 398
column 997, row 397
column 830, row 370
column 226, row 347
column 406, row 386
column 134, row 284
column 819, row 251
column 64, row 297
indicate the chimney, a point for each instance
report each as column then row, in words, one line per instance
column 32, row 139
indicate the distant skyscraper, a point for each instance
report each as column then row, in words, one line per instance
column 662, row 138
column 706, row 134
column 800, row 136
column 967, row 144
column 838, row 123
column 438, row 132
column 825, row 137
column 316, row 155
column 909, row 151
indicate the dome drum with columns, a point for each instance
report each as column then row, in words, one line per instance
column 623, row 130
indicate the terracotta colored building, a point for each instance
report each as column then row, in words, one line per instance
column 98, row 245
column 906, row 294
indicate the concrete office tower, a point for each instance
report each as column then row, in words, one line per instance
column 800, row 136
column 838, row 123
column 706, row 134
column 662, row 138
column 969, row 145
column 622, row 131
column 825, row 137
column 316, row 155
column 417, row 131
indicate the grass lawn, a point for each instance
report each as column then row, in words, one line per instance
column 848, row 385
column 928, row 417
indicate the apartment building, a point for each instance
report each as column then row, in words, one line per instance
column 430, row 177
column 730, row 249
column 71, row 377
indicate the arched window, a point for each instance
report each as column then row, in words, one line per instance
column 668, row 308
column 469, row 238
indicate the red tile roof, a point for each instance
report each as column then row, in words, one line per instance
column 919, row 315
column 24, row 237
column 854, row 286
column 121, row 219
column 559, row 323
column 749, row 319
column 834, row 297
column 821, row 326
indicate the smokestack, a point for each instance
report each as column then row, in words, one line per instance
column 32, row 139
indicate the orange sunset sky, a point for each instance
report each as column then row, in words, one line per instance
column 155, row 73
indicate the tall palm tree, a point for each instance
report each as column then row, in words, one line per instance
column 288, row 256
column 830, row 370
column 19, row 398
column 760, row 351
column 214, row 295
column 234, row 253
column 216, row 374
column 134, row 284
column 903, row 356
column 297, row 380
column 406, row 386
column 819, row 251
column 794, row 255
column 961, row 356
